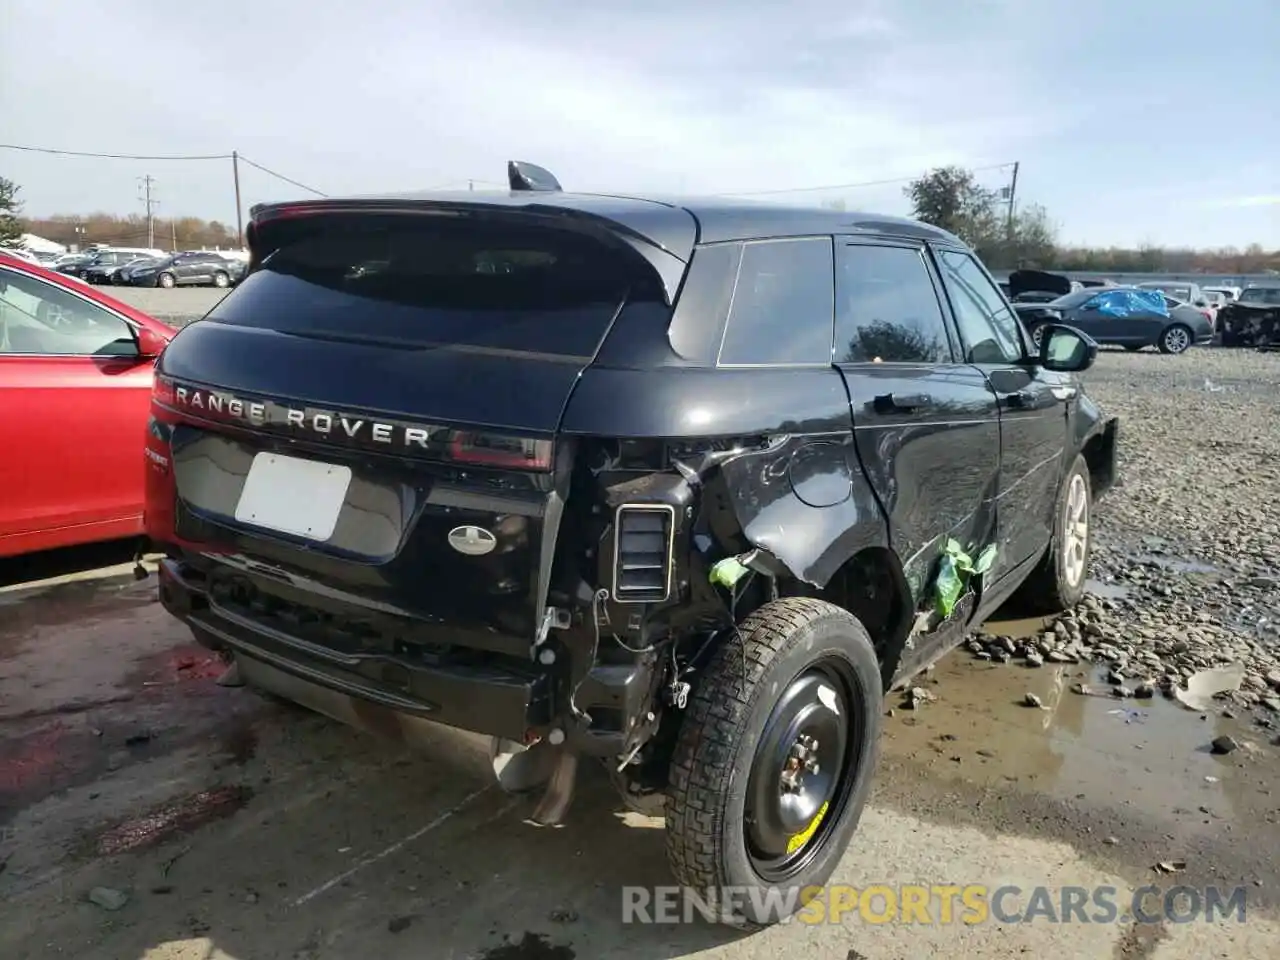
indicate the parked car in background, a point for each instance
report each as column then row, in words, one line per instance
column 1229, row 293
column 1186, row 292
column 1129, row 317
column 21, row 253
column 116, row 275
column 100, row 261
column 188, row 268
column 1253, row 320
column 75, row 386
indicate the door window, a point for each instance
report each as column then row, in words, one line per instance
column 783, row 304
column 887, row 308
column 988, row 328
column 38, row 318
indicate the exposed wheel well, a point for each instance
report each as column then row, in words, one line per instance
column 871, row 586
column 1097, row 454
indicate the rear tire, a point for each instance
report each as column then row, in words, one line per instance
column 166, row 280
column 1176, row 339
column 221, row 280
column 744, row 820
column 1058, row 583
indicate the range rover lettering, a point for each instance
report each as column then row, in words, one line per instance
column 671, row 485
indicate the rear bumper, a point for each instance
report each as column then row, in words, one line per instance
column 386, row 693
column 398, row 696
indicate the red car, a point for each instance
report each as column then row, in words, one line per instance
column 75, row 393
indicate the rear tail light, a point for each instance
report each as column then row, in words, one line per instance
column 493, row 450
column 162, row 390
column 642, row 561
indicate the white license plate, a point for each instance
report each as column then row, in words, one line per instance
column 289, row 495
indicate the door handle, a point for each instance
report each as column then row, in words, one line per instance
column 902, row 401
column 1021, row 398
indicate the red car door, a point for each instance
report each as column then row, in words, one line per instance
column 74, row 395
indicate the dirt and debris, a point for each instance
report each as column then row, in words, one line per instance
column 172, row 819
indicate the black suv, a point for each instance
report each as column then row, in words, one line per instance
column 679, row 485
column 189, row 268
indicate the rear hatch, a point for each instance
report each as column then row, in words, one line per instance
column 371, row 417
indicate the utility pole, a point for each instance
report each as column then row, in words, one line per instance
column 1013, row 189
column 235, row 173
column 146, row 182
column 173, row 231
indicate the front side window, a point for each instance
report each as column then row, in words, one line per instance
column 887, row 308
column 989, row 329
column 783, row 304
column 38, row 318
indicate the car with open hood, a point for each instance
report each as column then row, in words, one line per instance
column 679, row 486
column 1253, row 318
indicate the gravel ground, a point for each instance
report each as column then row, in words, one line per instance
column 1186, row 561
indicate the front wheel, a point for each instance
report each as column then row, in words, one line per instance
column 221, row 280
column 1177, row 339
column 1057, row 584
column 165, row 280
column 774, row 761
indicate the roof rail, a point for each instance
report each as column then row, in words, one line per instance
column 529, row 176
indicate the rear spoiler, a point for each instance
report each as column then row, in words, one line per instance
column 523, row 178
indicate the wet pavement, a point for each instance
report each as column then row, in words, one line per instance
column 238, row 827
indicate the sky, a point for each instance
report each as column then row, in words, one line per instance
column 1150, row 121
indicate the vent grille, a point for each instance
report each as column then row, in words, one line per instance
column 642, row 553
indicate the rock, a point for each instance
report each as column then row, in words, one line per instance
column 566, row 915
column 1271, row 703
column 1083, row 689
column 1060, row 656
column 1224, row 745
column 1266, row 583
column 1000, row 655
column 1272, row 679
column 916, row 697
column 108, row 898
column 1034, row 659
column 1121, row 691
column 1144, row 691
column 1111, row 841
column 1115, row 677
column 1031, row 700
column 399, row 924
column 975, row 647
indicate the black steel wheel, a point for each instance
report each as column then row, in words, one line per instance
column 774, row 760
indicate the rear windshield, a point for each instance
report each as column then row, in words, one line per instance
column 429, row 281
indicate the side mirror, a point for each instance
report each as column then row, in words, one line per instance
column 1202, row 303
column 1066, row 349
column 150, row 344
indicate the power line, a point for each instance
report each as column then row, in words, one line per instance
column 111, row 156
column 847, row 186
column 281, row 176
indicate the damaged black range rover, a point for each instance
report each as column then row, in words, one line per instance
column 680, row 486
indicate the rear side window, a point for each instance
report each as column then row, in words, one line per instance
column 888, row 310
column 783, row 304
column 426, row 281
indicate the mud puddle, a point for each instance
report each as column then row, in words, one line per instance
column 1149, row 754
